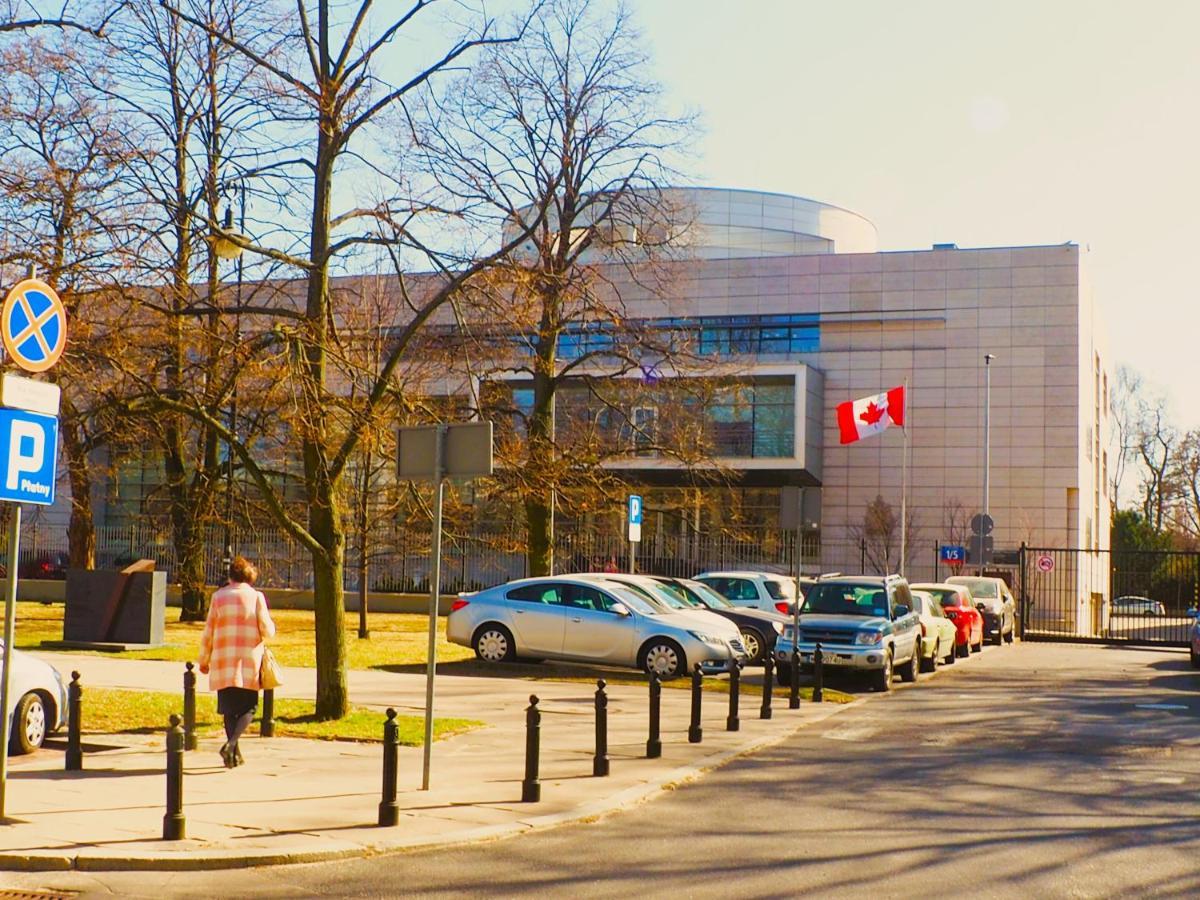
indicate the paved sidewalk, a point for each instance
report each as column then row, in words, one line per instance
column 299, row 800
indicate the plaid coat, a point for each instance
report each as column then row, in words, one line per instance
column 231, row 649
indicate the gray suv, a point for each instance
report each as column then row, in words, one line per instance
column 862, row 622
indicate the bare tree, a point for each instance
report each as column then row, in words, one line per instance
column 1156, row 443
column 880, row 535
column 60, row 213
column 327, row 65
column 1126, row 402
column 560, row 135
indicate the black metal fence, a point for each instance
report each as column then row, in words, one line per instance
column 1106, row 596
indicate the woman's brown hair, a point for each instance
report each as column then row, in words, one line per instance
column 241, row 569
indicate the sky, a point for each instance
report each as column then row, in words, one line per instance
column 981, row 124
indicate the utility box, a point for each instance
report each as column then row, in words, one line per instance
column 115, row 610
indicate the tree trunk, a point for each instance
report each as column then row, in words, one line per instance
column 81, row 530
column 539, row 535
column 329, row 603
column 189, row 564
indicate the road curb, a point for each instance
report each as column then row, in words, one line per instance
column 192, row 859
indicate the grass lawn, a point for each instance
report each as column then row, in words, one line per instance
column 148, row 712
column 396, row 638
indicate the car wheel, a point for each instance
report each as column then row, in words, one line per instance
column 753, row 642
column 881, row 679
column 29, row 725
column 999, row 638
column 494, row 643
column 1011, row 634
column 978, row 648
column 952, row 655
column 963, row 650
column 930, row 663
column 664, row 658
column 911, row 669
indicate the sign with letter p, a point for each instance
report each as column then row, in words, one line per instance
column 28, row 456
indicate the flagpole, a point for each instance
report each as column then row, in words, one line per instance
column 904, row 480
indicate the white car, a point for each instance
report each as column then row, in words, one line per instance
column 37, row 703
column 581, row 618
column 757, row 590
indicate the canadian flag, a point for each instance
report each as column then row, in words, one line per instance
column 858, row 419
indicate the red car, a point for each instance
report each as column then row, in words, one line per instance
column 960, row 609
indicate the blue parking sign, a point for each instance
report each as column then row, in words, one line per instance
column 953, row 554
column 28, row 456
column 635, row 517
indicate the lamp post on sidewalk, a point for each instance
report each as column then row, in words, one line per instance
column 987, row 450
column 227, row 249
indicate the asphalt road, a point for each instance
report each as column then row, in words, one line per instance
column 1039, row 770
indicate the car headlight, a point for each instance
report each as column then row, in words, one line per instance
column 778, row 626
column 706, row 638
column 868, row 637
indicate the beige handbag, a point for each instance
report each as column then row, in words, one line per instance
column 270, row 674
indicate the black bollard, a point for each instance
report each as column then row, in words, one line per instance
column 389, row 810
column 768, row 686
column 732, row 722
column 818, row 675
column 600, row 760
column 266, row 728
column 531, row 788
column 189, row 707
column 695, row 732
column 174, row 824
column 794, row 694
column 74, row 724
column 654, row 743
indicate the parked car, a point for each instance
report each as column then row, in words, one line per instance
column 939, row 635
column 666, row 600
column 37, row 703
column 1137, row 606
column 959, row 607
column 51, row 566
column 757, row 590
column 994, row 599
column 862, row 622
column 759, row 628
column 579, row 619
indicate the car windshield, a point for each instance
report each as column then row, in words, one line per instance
column 981, row 587
column 846, row 599
column 632, row 600
column 944, row 596
column 673, row 590
column 663, row 599
column 706, row 595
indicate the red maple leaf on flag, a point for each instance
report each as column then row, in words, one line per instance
column 872, row 414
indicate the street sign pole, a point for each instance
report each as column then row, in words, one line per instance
column 10, row 621
column 435, row 588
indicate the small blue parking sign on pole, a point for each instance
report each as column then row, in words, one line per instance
column 634, row 516
column 28, row 456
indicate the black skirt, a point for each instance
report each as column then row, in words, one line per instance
column 236, row 701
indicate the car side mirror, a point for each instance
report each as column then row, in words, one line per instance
column 620, row 609
column 901, row 611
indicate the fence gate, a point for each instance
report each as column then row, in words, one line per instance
column 1105, row 596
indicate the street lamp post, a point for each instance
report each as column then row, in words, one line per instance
column 987, row 451
column 227, row 249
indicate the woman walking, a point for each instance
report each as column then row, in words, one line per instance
column 231, row 652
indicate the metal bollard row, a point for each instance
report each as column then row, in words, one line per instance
column 818, row 674
column 654, row 742
column 768, row 686
column 794, row 693
column 732, row 722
